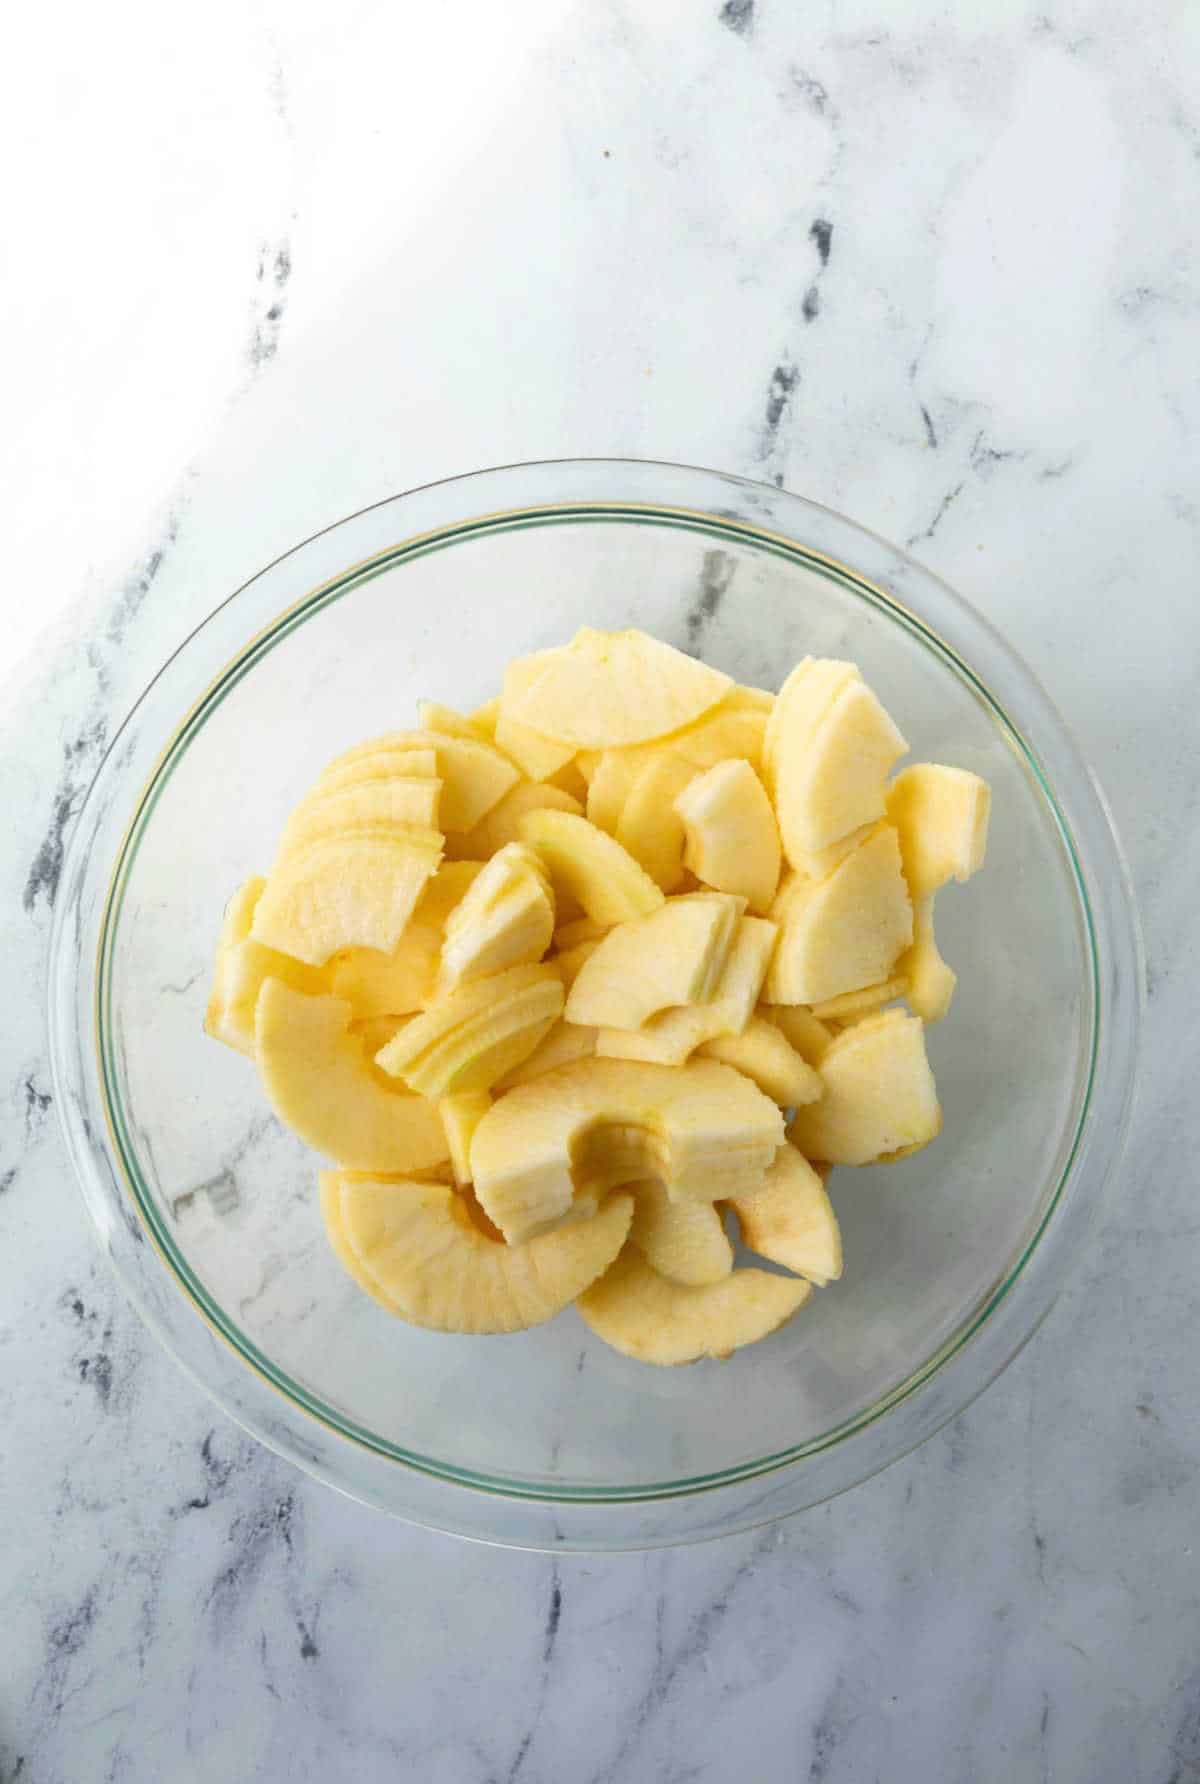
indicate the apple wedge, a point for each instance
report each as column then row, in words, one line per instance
column 609, row 689
column 791, row 1221
column 320, row 1083
column 563, row 1045
column 649, row 827
column 241, row 967
column 357, row 770
column 765, row 1055
column 417, row 1250
column 941, row 815
column 684, row 1241
column 676, row 955
column 354, row 890
column 654, row 1320
column 806, row 1032
column 845, row 932
column 432, row 716
column 731, row 839
column 505, row 919
column 669, row 1038
column 468, row 1039
column 929, row 982
column 879, row 1098
column 586, row 864
column 461, row 1115
column 829, row 748
column 704, row 1130
column 475, row 775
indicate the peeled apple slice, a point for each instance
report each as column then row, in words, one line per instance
column 502, row 824
column 731, row 837
column 851, row 1004
column 729, row 731
column 354, row 890
column 879, row 1098
column 319, row 1082
column 535, row 754
column 435, row 717
column 418, row 763
column 645, row 1316
column 470, row 1038
column 791, row 1221
column 398, row 983
column 402, row 800
column 422, row 1256
column 505, row 919
column 461, row 1115
column 684, row 1241
column 589, row 866
column 649, row 826
column 941, row 815
column 806, row 1032
column 845, row 932
column 563, row 1045
column 674, row 956
column 769, row 1060
column 830, row 745
column 669, row 1038
column 928, row 981
column 704, row 1131
column 475, row 776
column 241, row 967
column 608, row 689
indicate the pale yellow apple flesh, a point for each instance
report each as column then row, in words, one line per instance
column 648, row 1317
column 791, row 1221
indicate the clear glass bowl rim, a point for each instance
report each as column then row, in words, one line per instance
column 625, row 491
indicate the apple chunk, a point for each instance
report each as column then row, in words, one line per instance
column 732, row 839
column 685, row 1241
column 879, row 1097
column 505, row 919
column 845, row 932
column 830, row 746
column 673, row 956
column 790, row 1220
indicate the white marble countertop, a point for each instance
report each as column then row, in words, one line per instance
column 935, row 267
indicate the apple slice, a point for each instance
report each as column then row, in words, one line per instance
column 570, row 962
column 728, row 732
column 607, row 689
column 669, row 1038
column 536, row 754
column 829, row 748
column 354, row 890
column 806, row 1032
column 879, row 1098
column 588, row 865
column 319, row 1081
column 241, row 967
column 791, row 1221
column 684, row 1241
column 848, row 1006
column 403, row 981
column 580, row 929
column 610, row 786
column 392, row 801
column 929, row 982
column 769, row 1060
column 378, row 764
column 706, row 1131
column 484, row 717
column 461, row 1115
column 673, row 956
column 653, row 1320
column 731, row 837
column 941, row 815
column 417, row 1250
column 502, row 824
column 505, row 919
column 475, row 775
column 649, row 827
column 468, row 1039
column 845, row 932
column 435, row 717
column 563, row 1045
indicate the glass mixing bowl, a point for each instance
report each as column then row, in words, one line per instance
column 208, row 1210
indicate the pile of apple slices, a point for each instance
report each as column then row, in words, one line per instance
column 560, row 987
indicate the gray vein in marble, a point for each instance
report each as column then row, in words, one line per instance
column 270, row 304
column 946, row 503
column 738, row 15
column 716, row 574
